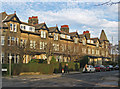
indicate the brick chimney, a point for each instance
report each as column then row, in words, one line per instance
column 33, row 20
column 65, row 28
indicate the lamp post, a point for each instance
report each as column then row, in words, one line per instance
column 10, row 57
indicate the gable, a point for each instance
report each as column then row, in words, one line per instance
column 43, row 27
column 12, row 18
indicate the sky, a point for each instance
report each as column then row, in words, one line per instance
column 80, row 16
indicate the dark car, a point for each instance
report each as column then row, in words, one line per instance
column 116, row 67
column 100, row 68
column 109, row 67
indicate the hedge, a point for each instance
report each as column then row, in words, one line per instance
column 37, row 67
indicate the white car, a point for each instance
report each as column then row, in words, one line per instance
column 90, row 68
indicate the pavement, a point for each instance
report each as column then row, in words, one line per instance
column 71, row 79
column 41, row 76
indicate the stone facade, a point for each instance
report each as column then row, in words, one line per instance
column 25, row 41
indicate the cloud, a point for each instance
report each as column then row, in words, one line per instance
column 77, row 17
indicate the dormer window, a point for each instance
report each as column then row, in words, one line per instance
column 92, row 42
column 15, row 28
column 75, row 40
column 84, row 42
column 55, row 36
column 62, row 35
column 43, row 34
column 97, row 45
column 68, row 37
column 24, row 27
column 50, row 34
column 88, row 41
column 11, row 27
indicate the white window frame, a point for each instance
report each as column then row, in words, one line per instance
column 84, row 42
column 11, row 27
column 88, row 41
column 2, row 40
column 34, row 44
column 31, row 44
column 15, row 27
column 42, row 34
column 97, row 44
column 93, row 52
column 68, row 37
column 62, row 35
column 17, row 41
column 41, row 45
column 75, row 40
column 89, row 51
column 55, row 36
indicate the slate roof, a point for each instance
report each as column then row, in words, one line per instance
column 103, row 36
column 53, row 29
column 26, row 23
column 63, row 32
column 38, row 26
column 94, row 39
column 9, row 17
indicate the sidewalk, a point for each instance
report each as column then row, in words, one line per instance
column 41, row 76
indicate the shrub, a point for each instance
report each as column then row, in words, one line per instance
column 38, row 61
column 84, row 60
column 53, row 60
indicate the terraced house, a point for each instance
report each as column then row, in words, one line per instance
column 26, row 41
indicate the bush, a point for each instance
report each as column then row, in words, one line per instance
column 53, row 60
column 38, row 67
column 84, row 60
column 38, row 61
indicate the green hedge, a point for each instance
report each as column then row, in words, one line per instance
column 35, row 67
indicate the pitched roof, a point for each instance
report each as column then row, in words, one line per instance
column 38, row 26
column 73, row 34
column 10, row 17
column 95, row 39
column 63, row 32
column 26, row 23
column 103, row 36
column 53, row 29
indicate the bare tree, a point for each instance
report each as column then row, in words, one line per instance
column 109, row 3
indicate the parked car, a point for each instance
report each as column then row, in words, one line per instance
column 100, row 68
column 90, row 68
column 97, row 67
column 109, row 67
column 116, row 67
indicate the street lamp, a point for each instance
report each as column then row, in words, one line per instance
column 10, row 57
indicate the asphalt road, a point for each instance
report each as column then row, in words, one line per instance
column 98, row 79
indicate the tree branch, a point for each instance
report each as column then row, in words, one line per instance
column 108, row 3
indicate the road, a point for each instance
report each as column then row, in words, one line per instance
column 98, row 79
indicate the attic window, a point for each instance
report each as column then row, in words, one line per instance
column 75, row 40
column 43, row 34
column 84, row 42
column 24, row 27
column 11, row 27
column 55, row 36
column 15, row 28
column 97, row 45
column 92, row 41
